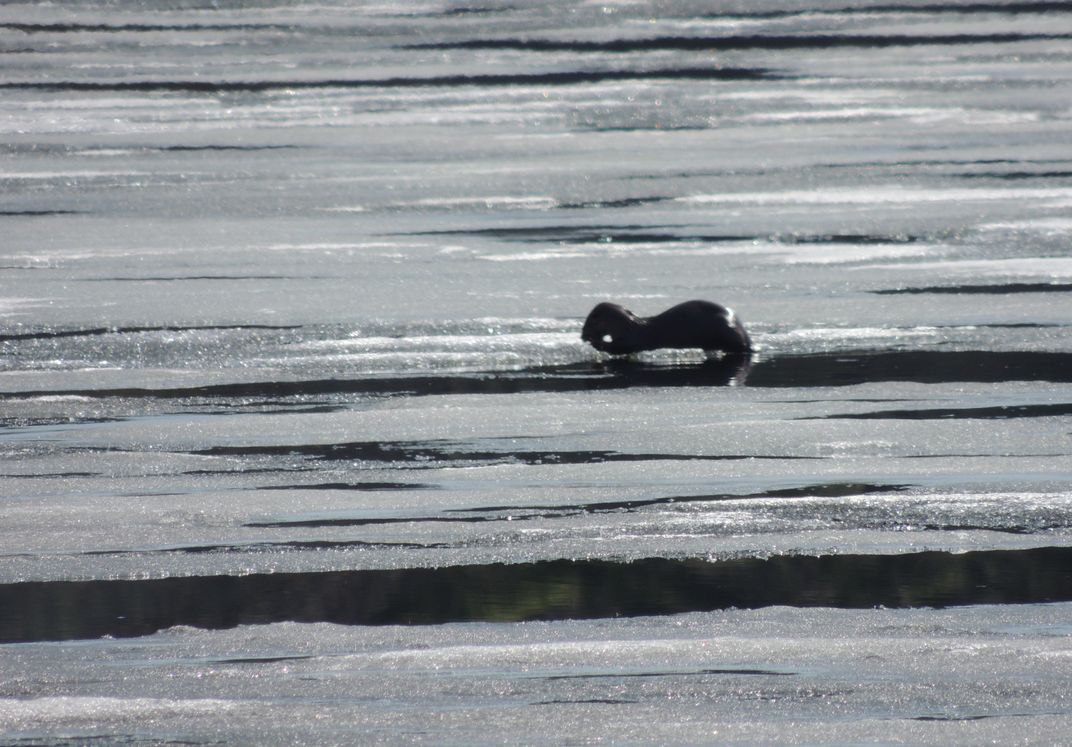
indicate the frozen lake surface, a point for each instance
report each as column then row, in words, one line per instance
column 969, row 675
column 299, row 442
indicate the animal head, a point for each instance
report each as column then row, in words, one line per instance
column 609, row 327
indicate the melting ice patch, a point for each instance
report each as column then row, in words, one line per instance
column 366, row 248
column 1047, row 267
column 491, row 202
column 480, row 343
column 784, row 340
column 828, row 335
column 17, row 713
column 1047, row 226
column 69, row 175
column 836, row 252
column 20, row 306
column 853, row 253
column 919, row 115
column 767, row 250
column 879, row 195
column 1009, row 513
column 587, row 249
column 810, row 95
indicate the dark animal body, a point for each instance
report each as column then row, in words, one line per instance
column 613, row 329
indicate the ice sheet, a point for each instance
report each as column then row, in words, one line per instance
column 291, row 382
column 777, row 676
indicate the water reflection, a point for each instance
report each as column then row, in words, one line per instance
column 727, row 370
column 812, row 370
column 550, row 590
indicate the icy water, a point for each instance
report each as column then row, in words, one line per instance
column 299, row 442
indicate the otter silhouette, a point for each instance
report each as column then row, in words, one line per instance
column 613, row 329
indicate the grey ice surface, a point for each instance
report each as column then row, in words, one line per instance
column 299, row 442
column 971, row 675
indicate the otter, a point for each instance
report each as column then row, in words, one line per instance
column 613, row 329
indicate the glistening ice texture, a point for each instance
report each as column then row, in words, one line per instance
column 299, row 442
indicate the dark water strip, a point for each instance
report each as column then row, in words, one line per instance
column 552, row 590
column 434, row 453
column 1011, row 8
column 217, row 148
column 654, row 234
column 195, row 278
column 995, row 288
column 584, row 233
column 99, row 331
column 263, row 547
column 818, row 370
column 441, row 81
column 923, row 366
column 996, row 412
column 627, row 202
column 1015, row 175
column 1008, row 8
column 362, row 486
column 36, row 213
column 109, row 28
column 747, row 671
column 742, row 42
column 564, row 510
column 73, row 150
